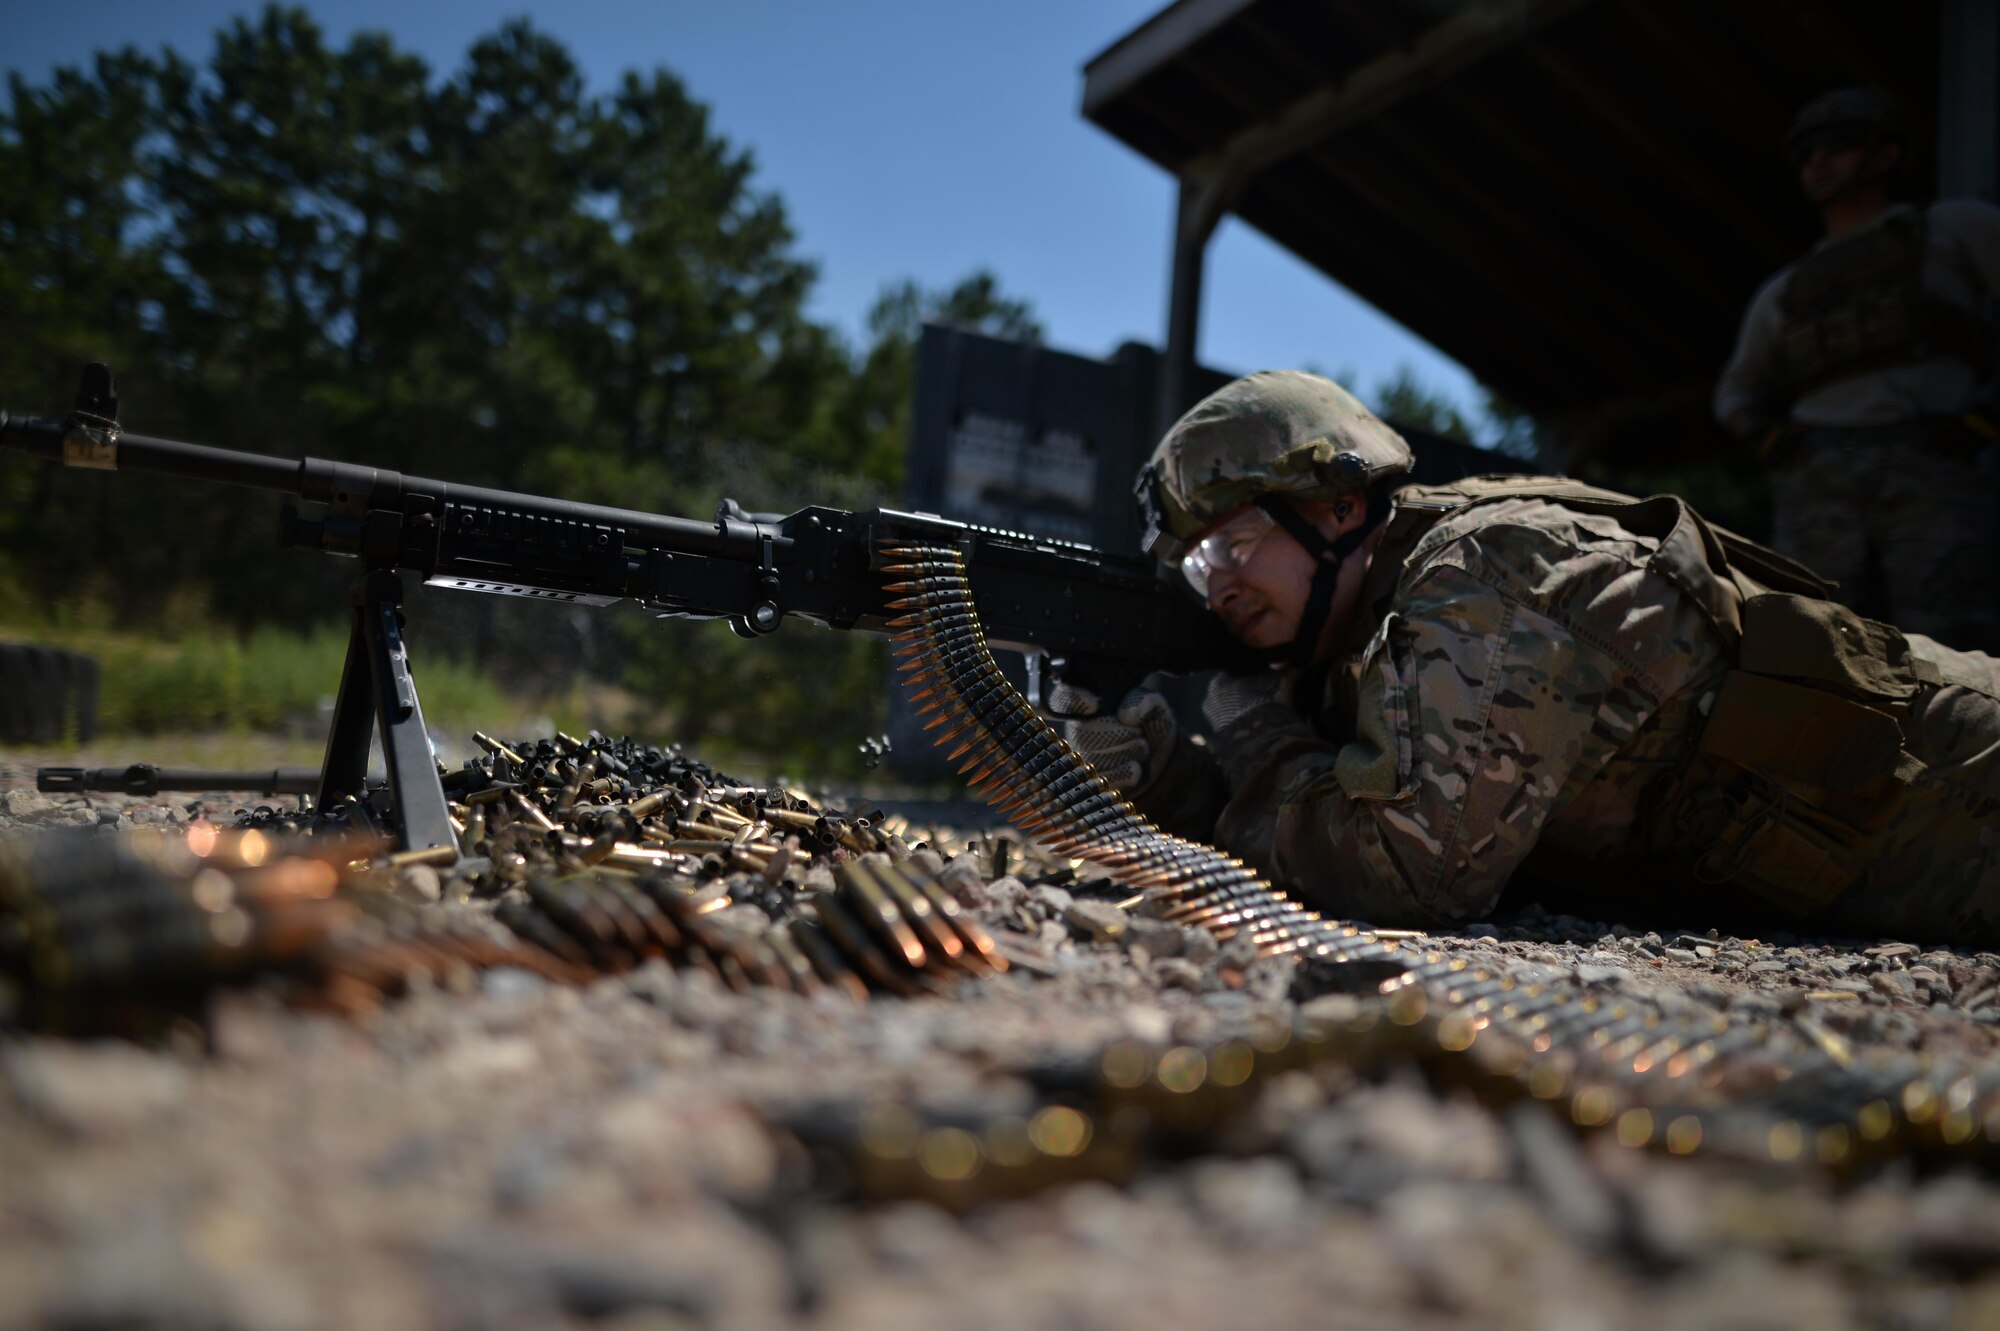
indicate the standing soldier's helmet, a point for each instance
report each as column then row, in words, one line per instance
column 1860, row 116
column 1275, row 433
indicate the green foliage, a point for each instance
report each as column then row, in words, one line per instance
column 492, row 276
column 267, row 681
column 1509, row 429
column 867, row 427
column 806, row 694
column 1407, row 400
column 1726, row 490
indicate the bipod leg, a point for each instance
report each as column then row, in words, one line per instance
column 344, row 771
column 376, row 683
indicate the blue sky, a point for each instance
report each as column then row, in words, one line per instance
column 907, row 139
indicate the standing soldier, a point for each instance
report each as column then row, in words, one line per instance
column 1865, row 375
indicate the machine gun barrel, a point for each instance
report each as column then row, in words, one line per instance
column 82, row 442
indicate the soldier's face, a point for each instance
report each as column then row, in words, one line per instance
column 1832, row 166
column 1262, row 599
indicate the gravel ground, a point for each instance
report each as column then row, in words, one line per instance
column 528, row 1155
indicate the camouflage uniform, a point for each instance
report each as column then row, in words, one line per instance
column 1545, row 678
column 1534, row 690
column 1907, row 530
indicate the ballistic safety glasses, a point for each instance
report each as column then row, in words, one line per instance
column 1228, row 548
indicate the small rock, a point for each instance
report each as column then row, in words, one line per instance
column 1557, row 1173
column 1176, row 973
column 1974, row 998
column 1339, row 1009
column 1005, row 894
column 1896, row 984
column 961, row 878
column 1199, row 946
column 1149, row 1025
column 1099, row 921
column 1270, row 977
column 913, row 1237
column 423, row 882
column 148, row 1273
column 1769, row 967
column 1159, row 938
column 1027, row 954
column 94, row 1089
column 487, row 1058
column 741, row 921
column 525, row 1176
column 511, row 984
column 1049, row 902
column 590, row 1285
column 654, row 982
column 1239, row 953
column 1892, row 951
column 1253, row 1200
column 27, row 805
column 1756, row 1005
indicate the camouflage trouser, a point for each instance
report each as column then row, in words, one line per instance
column 1906, row 527
column 1933, row 871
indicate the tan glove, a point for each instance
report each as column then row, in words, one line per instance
column 1142, row 750
column 1128, row 747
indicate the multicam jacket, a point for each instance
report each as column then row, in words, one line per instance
column 1564, row 683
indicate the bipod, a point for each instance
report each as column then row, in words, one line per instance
column 376, row 687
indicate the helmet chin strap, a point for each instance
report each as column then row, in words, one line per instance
column 1327, row 558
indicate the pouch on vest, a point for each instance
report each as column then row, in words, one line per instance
column 1859, row 305
column 1800, row 736
column 1828, row 645
column 1788, row 855
column 1804, row 746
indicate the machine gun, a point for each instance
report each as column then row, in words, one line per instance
column 1104, row 620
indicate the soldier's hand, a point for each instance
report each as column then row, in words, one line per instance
column 1128, row 747
column 1232, row 696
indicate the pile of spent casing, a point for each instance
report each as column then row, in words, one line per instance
column 617, row 802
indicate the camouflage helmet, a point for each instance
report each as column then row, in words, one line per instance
column 1871, row 111
column 1273, row 432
